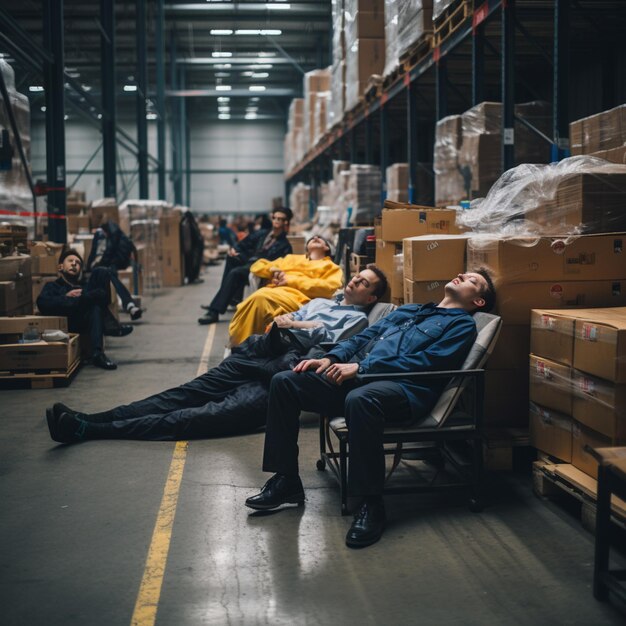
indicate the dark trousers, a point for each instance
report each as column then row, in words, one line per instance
column 229, row 399
column 365, row 407
column 120, row 288
column 93, row 314
column 234, row 279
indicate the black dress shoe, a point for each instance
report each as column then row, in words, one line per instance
column 211, row 317
column 59, row 408
column 69, row 429
column 120, row 331
column 368, row 525
column 277, row 491
column 103, row 361
column 206, row 307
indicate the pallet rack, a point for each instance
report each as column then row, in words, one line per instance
column 503, row 50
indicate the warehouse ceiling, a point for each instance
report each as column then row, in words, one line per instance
column 250, row 55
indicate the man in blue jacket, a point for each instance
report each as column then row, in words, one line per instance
column 413, row 338
column 263, row 244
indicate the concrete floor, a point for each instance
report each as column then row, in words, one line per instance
column 76, row 522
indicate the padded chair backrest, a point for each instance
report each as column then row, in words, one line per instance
column 488, row 328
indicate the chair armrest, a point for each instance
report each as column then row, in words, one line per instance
column 423, row 375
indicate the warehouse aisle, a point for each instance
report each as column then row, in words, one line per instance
column 76, row 523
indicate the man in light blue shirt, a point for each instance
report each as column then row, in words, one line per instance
column 231, row 398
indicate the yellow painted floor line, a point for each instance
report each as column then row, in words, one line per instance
column 150, row 589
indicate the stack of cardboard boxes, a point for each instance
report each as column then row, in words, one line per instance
column 449, row 185
column 578, row 383
column 16, row 296
column 316, row 86
column 294, row 139
column 78, row 218
column 602, row 135
column 44, row 263
column 364, row 193
column 299, row 199
column 338, row 67
column 364, row 25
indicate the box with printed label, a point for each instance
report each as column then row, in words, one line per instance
column 552, row 335
column 17, row 325
column 41, row 355
column 600, row 344
column 434, row 257
column 522, row 260
column 420, row 292
column 550, row 384
column 583, row 441
column 551, row 432
column 515, row 300
column 400, row 223
column 385, row 251
column 600, row 405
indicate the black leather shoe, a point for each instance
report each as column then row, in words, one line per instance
column 368, row 525
column 120, row 331
column 277, row 491
column 59, row 408
column 211, row 317
column 103, row 361
column 206, row 307
column 69, row 429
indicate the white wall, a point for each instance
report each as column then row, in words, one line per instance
column 236, row 166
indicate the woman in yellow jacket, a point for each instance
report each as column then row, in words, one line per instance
column 294, row 280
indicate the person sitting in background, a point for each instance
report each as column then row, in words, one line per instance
column 85, row 304
column 266, row 244
column 294, row 280
column 227, row 235
column 112, row 249
column 261, row 222
column 231, row 398
column 414, row 338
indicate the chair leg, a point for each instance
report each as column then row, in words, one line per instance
column 321, row 462
column 343, row 464
column 476, row 503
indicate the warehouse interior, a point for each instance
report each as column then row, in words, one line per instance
column 430, row 137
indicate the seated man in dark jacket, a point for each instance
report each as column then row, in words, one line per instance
column 412, row 338
column 84, row 303
column 231, row 398
column 263, row 244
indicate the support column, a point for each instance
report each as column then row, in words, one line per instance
column 54, row 81
column 109, row 121
column 160, row 95
column 142, row 94
column 384, row 149
column 561, row 66
column 175, row 127
column 353, row 154
column 411, row 108
column 369, row 141
column 478, row 64
column 441, row 80
column 508, row 85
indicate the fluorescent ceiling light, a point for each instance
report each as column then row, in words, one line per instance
column 224, row 116
column 250, row 116
column 256, row 88
column 66, row 117
column 224, row 99
column 221, row 31
column 223, row 108
column 221, row 55
column 35, row 88
column 247, row 73
column 263, row 66
column 255, row 99
column 256, row 31
column 260, row 75
column 99, row 116
column 223, row 66
column 266, row 54
column 272, row 5
column 86, row 87
column 130, row 87
column 151, row 116
column 222, row 74
column 223, row 88
column 43, row 109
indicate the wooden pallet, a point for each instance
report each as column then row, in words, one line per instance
column 373, row 91
column 396, row 74
column 451, row 20
column 417, row 52
column 498, row 446
column 40, row 379
column 557, row 480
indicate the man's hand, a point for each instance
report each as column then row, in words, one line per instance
column 320, row 364
column 284, row 321
column 340, row 372
column 75, row 293
column 279, row 279
column 232, row 252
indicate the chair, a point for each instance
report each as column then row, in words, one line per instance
column 450, row 423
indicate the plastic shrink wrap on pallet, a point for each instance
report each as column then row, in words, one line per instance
column 299, row 202
column 439, row 6
column 15, row 194
column 449, row 186
column 415, row 20
column 364, row 193
column 581, row 194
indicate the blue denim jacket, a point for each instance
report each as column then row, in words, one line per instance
column 414, row 338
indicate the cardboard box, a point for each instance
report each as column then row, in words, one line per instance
column 127, row 278
column 434, row 257
column 45, row 266
column 420, row 292
column 584, row 439
column 550, row 384
column 600, row 405
column 31, row 357
column 78, row 223
column 600, row 344
column 522, row 260
column 385, row 251
column 397, row 278
column 15, row 267
column 515, row 301
column 511, row 349
column 400, row 223
column 103, row 211
column 551, row 432
column 552, row 335
column 298, row 243
column 170, row 252
column 12, row 328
